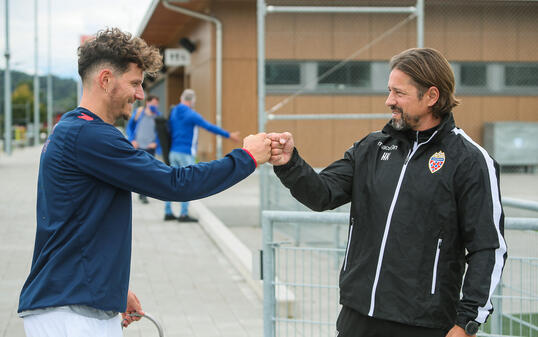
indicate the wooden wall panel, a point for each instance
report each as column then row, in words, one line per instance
column 527, row 35
column 527, row 109
column 314, row 138
column 463, row 33
column 348, row 131
column 239, row 103
column 202, row 35
column 238, row 28
column 468, row 116
column 351, row 32
column 174, row 88
column 202, row 81
column 434, row 29
column 287, row 109
column 401, row 39
column 280, row 37
column 499, row 108
column 499, row 41
column 313, row 37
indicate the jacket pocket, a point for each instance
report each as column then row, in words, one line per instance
column 348, row 243
column 436, row 264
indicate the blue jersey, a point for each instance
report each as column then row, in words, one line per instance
column 88, row 169
column 183, row 125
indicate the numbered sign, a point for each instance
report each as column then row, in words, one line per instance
column 174, row 57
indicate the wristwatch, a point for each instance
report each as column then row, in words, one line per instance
column 471, row 328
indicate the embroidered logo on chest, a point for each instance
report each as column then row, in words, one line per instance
column 436, row 161
column 385, row 156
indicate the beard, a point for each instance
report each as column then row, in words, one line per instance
column 405, row 122
column 399, row 124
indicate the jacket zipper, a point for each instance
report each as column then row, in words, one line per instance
column 348, row 243
column 435, row 264
column 410, row 154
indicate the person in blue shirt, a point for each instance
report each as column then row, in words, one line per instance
column 79, row 277
column 144, row 135
column 184, row 124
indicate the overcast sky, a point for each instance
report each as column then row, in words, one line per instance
column 70, row 20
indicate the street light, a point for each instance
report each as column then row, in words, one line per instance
column 49, row 76
column 7, row 90
column 36, row 83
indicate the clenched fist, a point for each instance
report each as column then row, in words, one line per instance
column 259, row 147
column 281, row 148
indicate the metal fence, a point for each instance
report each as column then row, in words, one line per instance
column 301, row 276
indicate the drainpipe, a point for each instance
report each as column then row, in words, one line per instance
column 218, row 61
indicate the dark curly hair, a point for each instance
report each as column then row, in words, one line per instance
column 119, row 49
column 427, row 68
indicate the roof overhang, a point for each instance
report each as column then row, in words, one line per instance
column 162, row 27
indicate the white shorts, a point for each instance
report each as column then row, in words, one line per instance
column 59, row 323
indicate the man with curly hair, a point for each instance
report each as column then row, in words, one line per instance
column 79, row 278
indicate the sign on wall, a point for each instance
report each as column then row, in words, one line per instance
column 174, row 57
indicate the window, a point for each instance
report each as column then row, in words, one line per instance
column 524, row 75
column 351, row 74
column 371, row 77
column 282, row 73
column 473, row 74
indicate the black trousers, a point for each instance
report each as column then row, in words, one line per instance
column 353, row 324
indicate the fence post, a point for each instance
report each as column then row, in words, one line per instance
column 268, row 277
column 496, row 317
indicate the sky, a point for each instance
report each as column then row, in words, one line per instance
column 70, row 19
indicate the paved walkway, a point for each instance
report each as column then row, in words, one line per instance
column 177, row 272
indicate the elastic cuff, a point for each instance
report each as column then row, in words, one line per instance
column 251, row 156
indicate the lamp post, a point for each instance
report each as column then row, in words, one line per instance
column 7, row 90
column 36, row 82
column 49, row 76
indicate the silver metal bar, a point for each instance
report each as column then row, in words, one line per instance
column 157, row 324
column 520, row 203
column 420, row 23
column 36, row 80
column 304, row 321
column 7, row 90
column 306, row 217
column 49, row 75
column 218, row 62
column 153, row 320
column 306, row 285
column 522, row 322
column 328, row 116
column 264, row 171
column 268, row 278
column 521, row 223
column 334, row 217
column 339, row 9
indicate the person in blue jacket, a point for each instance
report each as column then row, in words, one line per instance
column 79, row 278
column 183, row 124
column 143, row 134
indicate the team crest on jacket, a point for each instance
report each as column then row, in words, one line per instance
column 436, row 161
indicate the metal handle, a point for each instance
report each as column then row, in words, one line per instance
column 153, row 320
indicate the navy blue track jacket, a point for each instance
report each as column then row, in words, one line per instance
column 88, row 169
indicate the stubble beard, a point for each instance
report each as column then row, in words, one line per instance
column 399, row 124
column 405, row 122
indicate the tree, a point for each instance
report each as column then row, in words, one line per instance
column 21, row 99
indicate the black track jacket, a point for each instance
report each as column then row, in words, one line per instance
column 419, row 210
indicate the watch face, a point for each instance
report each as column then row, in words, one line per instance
column 471, row 328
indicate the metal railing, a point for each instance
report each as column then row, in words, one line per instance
column 308, row 270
